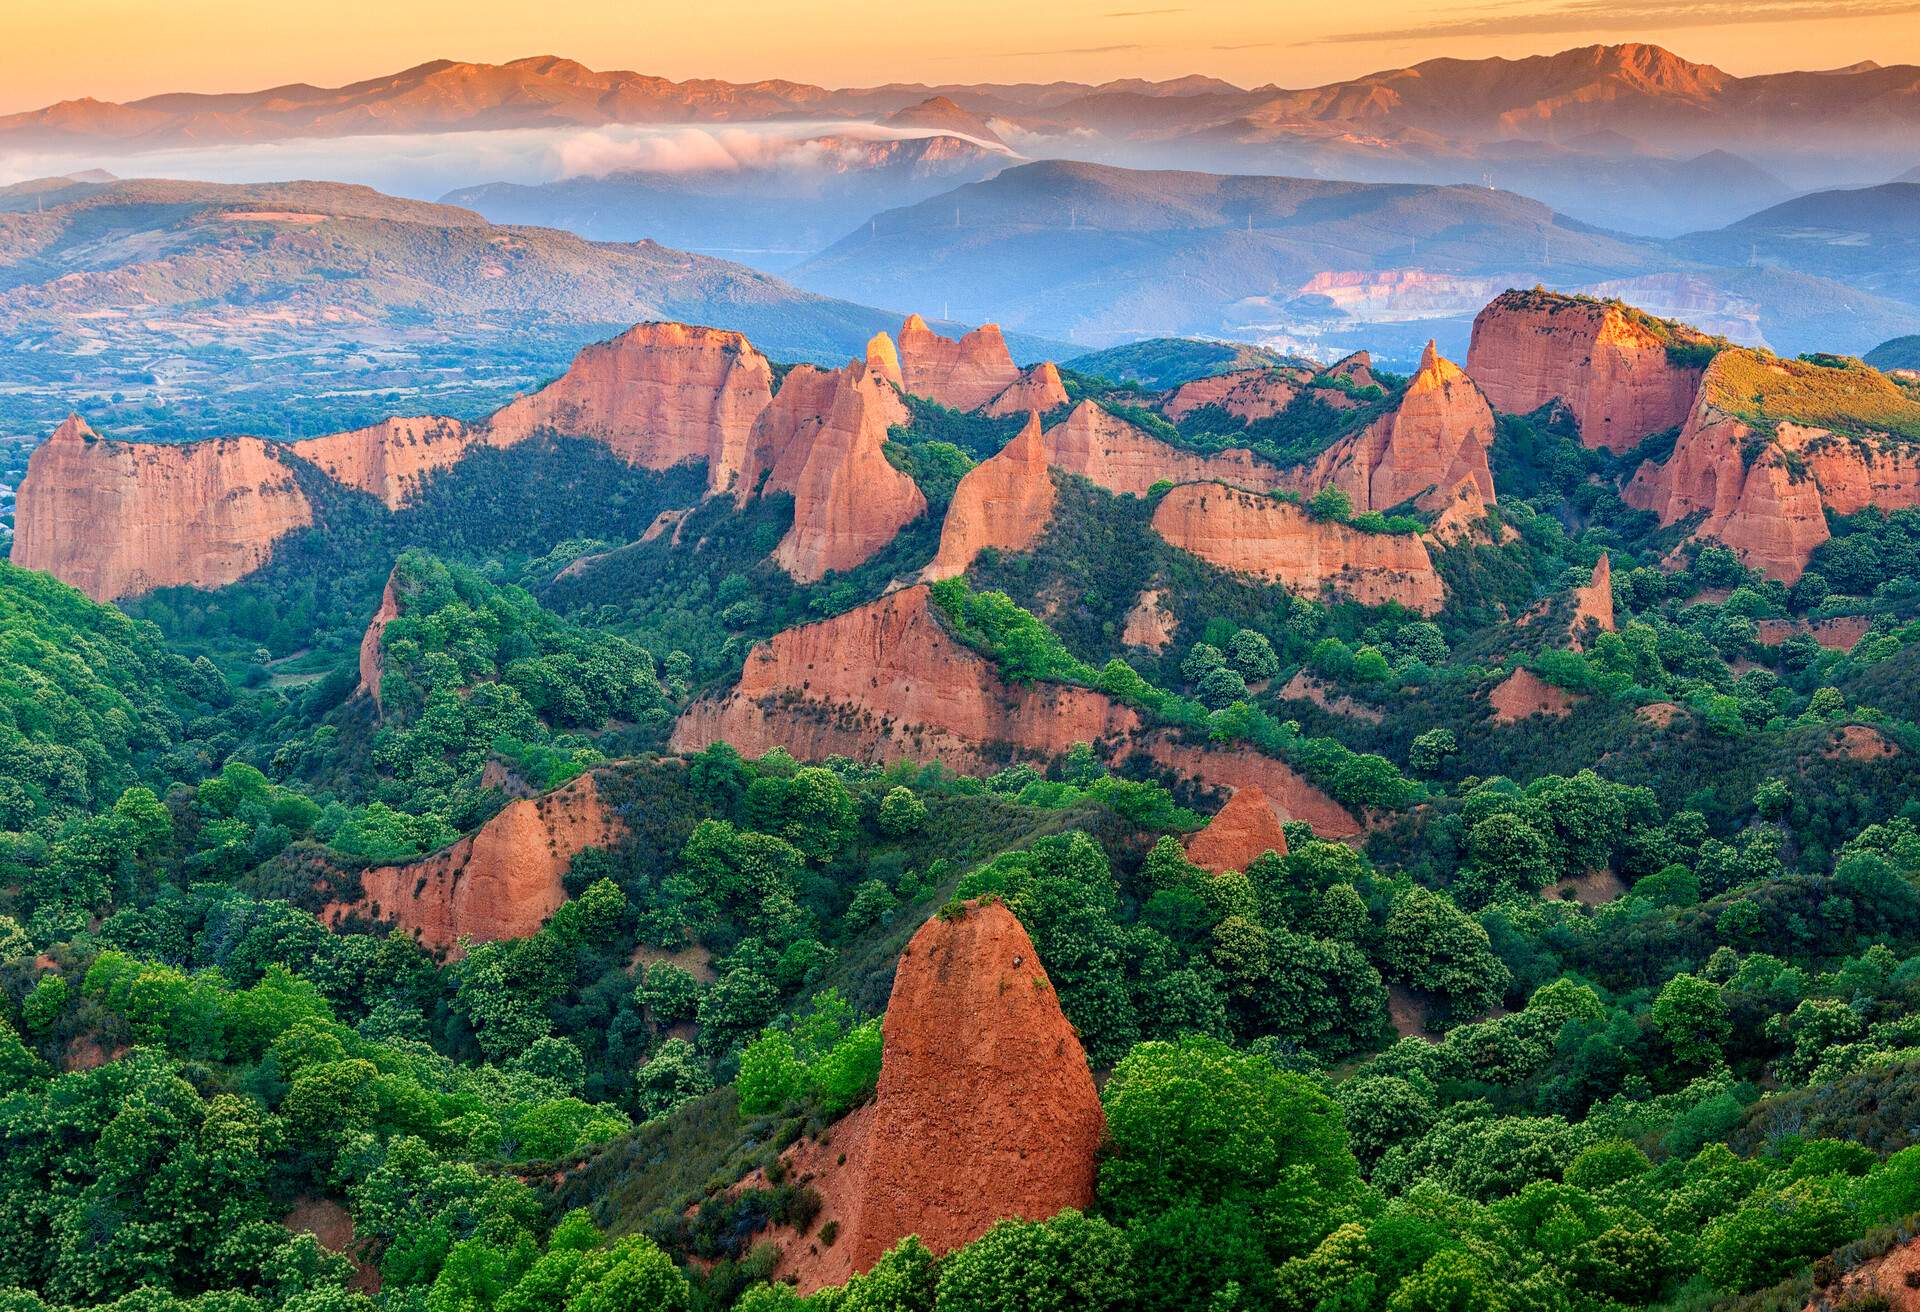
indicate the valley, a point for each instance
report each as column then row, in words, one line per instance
column 1096, row 691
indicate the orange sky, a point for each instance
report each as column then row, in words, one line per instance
column 122, row 49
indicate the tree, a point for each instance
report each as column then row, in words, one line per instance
column 1252, row 655
column 1430, row 749
column 672, row 1076
column 1433, row 945
column 1330, row 503
column 1193, row 1121
column 1221, row 686
column 1692, row 1016
column 901, row 813
column 1069, row 1263
column 632, row 1276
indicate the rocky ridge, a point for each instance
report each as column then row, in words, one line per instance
column 1610, row 368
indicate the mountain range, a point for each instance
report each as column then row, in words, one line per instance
column 291, row 308
column 1099, row 255
column 1606, row 133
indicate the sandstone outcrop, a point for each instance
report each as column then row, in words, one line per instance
column 820, row 439
column 1038, row 389
column 884, row 359
column 1593, row 603
column 119, row 518
column 1611, row 369
column 1838, row 633
column 886, row 682
column 1524, row 693
column 1257, row 534
column 1245, row 828
column 985, row 1108
column 962, row 375
column 1431, row 444
column 1356, row 369
column 1150, row 625
column 658, row 395
column 1770, row 507
column 372, row 664
column 1246, row 394
column 501, row 881
column 1111, row 453
column 1005, row 501
column 1238, row 769
column 391, row 459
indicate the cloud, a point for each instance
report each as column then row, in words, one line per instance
column 1248, row 45
column 1070, row 50
column 426, row 166
column 1515, row 19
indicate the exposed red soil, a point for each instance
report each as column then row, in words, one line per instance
column 1524, row 693
column 1245, row 828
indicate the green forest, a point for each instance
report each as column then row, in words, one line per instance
column 1615, row 1008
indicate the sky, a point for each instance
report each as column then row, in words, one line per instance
column 123, row 49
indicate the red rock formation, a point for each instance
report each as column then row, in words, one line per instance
column 1594, row 602
column 1256, row 534
column 1609, row 369
column 1891, row 1280
column 391, row 459
column 1038, row 390
column 1524, row 693
column 886, row 682
column 1246, row 394
column 1111, row 453
column 1770, row 518
column 1286, row 788
column 1005, row 501
column 1245, row 828
column 1304, row 687
column 658, row 395
column 962, row 375
column 884, row 360
column 1435, row 441
column 821, row 440
column 1356, row 369
column 1150, row 625
column 1766, row 494
column 985, row 1110
column 119, row 518
column 1838, row 633
column 372, row 665
column 502, row 881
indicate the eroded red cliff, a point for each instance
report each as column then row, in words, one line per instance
column 1611, row 368
column 391, row 459
column 1005, row 501
column 1038, row 389
column 658, row 395
column 115, row 519
column 502, row 881
column 1111, row 453
column 821, row 439
column 1246, row 394
column 886, row 682
column 985, row 1109
column 1257, row 534
column 1434, row 442
column 964, row 374
column 1769, row 505
column 372, row 663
